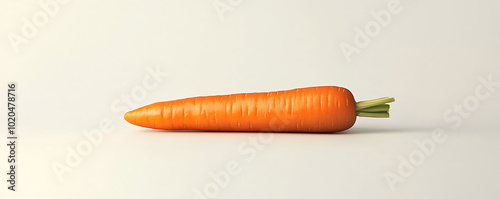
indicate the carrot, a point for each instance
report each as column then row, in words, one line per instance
column 313, row 109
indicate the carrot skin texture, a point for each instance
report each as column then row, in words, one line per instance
column 312, row 109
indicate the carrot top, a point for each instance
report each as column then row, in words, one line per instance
column 374, row 108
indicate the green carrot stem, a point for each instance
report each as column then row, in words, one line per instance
column 371, row 103
column 374, row 108
column 379, row 108
column 379, row 115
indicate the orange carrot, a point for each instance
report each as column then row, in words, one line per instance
column 313, row 109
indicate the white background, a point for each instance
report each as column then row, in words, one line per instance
column 74, row 71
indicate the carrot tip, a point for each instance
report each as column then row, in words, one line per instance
column 127, row 116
